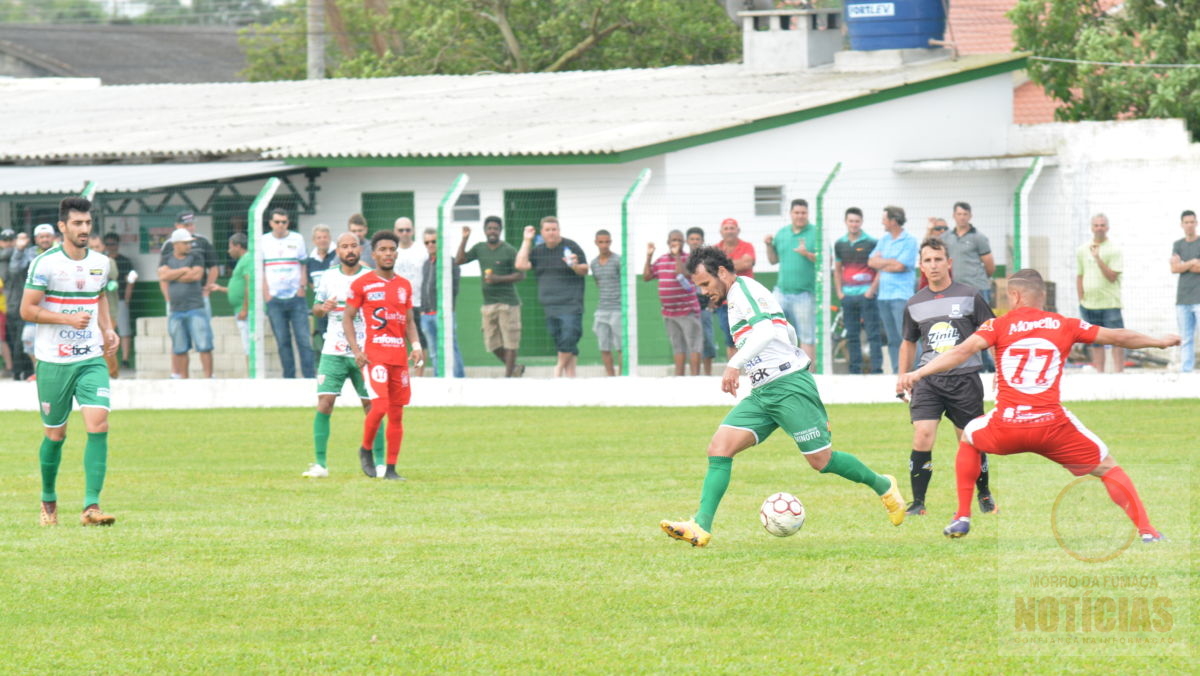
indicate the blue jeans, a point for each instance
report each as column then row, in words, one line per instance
column 190, row 329
column 1189, row 319
column 798, row 309
column 430, row 328
column 565, row 330
column 861, row 312
column 891, row 312
column 289, row 316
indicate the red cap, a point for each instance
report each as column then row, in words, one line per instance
column 728, row 221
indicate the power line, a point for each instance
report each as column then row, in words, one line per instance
column 1115, row 64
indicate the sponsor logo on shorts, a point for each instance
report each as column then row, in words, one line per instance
column 103, row 392
column 1043, row 323
column 376, row 295
column 73, row 350
column 807, row 435
column 320, row 378
column 379, row 373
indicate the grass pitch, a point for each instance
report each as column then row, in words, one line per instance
column 526, row 540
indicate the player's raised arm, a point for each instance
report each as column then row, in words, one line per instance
column 953, row 357
column 1133, row 339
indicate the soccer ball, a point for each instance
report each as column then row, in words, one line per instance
column 782, row 514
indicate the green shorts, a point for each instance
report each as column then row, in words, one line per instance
column 86, row 382
column 332, row 373
column 790, row 402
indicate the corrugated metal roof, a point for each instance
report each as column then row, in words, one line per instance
column 575, row 113
column 62, row 179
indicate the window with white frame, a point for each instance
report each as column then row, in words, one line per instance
column 467, row 207
column 768, row 200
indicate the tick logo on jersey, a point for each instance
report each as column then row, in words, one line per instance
column 74, row 350
column 942, row 336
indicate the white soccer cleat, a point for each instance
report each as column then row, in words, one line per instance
column 316, row 471
column 380, row 470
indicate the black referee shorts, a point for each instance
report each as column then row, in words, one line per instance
column 960, row 398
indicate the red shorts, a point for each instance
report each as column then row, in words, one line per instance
column 1065, row 441
column 387, row 382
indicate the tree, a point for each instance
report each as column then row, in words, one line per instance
column 377, row 38
column 44, row 11
column 1136, row 32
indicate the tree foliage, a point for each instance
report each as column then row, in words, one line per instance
column 377, row 38
column 45, row 11
column 1136, row 32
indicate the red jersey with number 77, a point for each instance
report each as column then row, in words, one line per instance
column 385, row 304
column 1031, row 347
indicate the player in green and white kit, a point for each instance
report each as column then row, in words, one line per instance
column 783, row 394
column 337, row 361
column 64, row 296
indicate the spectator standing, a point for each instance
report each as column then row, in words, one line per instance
column 429, row 313
column 742, row 255
column 973, row 263
column 319, row 259
column 857, row 285
column 239, row 286
column 410, row 258
column 794, row 249
column 895, row 259
column 181, row 280
column 358, row 225
column 7, row 249
column 501, row 309
column 186, row 220
column 1098, row 282
column 112, row 247
column 681, row 312
column 708, row 350
column 45, row 237
column 606, row 323
column 96, row 243
column 284, row 293
column 560, row 266
column 1185, row 262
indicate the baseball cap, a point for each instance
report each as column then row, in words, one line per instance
column 729, row 221
column 7, row 233
column 181, row 235
column 43, row 228
column 185, row 216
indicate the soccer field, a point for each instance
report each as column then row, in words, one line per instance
column 527, row 540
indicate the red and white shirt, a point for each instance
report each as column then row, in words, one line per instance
column 71, row 286
column 385, row 304
column 1031, row 348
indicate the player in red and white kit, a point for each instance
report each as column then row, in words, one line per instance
column 1031, row 348
column 385, row 300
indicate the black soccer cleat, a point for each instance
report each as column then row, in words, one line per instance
column 367, row 459
column 391, row 475
column 987, row 504
column 915, row 508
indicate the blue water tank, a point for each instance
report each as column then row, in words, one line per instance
column 894, row 24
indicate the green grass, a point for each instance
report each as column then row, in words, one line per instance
column 526, row 540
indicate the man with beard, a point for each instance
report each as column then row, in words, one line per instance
column 386, row 301
column 64, row 297
column 337, row 361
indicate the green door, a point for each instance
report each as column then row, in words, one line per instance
column 522, row 208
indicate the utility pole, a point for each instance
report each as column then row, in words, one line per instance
column 316, row 39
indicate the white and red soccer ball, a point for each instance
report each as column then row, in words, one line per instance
column 782, row 514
